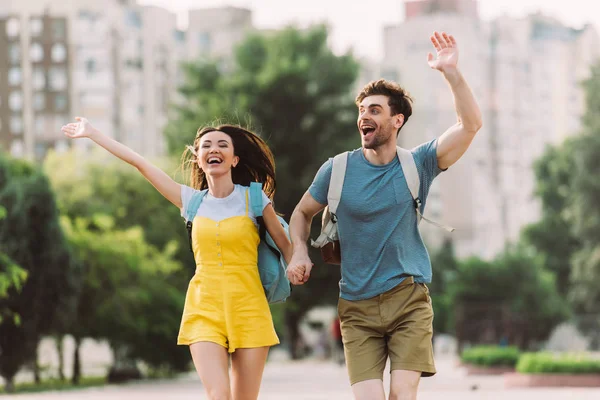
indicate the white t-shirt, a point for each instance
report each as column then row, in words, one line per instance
column 219, row 209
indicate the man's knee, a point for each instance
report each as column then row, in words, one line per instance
column 404, row 385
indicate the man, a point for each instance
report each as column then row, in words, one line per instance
column 384, row 307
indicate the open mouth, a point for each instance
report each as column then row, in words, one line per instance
column 366, row 129
column 214, row 160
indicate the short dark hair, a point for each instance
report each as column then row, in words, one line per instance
column 399, row 100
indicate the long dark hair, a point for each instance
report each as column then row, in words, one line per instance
column 256, row 160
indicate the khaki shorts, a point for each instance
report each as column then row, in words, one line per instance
column 397, row 323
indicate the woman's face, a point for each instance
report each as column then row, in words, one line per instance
column 215, row 153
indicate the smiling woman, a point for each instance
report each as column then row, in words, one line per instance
column 226, row 312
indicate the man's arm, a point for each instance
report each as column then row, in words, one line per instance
column 456, row 140
column 300, row 266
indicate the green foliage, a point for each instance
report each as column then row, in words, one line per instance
column 32, row 243
column 553, row 235
column 11, row 277
column 445, row 268
column 90, row 184
column 548, row 363
column 491, row 356
column 513, row 290
column 568, row 235
column 130, row 294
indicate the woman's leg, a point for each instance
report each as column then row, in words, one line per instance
column 212, row 364
column 247, row 366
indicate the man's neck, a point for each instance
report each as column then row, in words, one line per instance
column 381, row 155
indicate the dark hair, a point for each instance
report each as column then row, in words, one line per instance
column 256, row 160
column 399, row 100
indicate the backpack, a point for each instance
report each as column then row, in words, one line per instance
column 271, row 264
column 329, row 241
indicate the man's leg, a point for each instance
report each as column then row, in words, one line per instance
column 410, row 332
column 364, row 347
column 404, row 385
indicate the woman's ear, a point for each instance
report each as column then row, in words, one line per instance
column 236, row 160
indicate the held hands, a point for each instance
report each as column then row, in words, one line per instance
column 446, row 58
column 299, row 268
column 80, row 129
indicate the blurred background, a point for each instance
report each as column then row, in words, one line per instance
column 94, row 263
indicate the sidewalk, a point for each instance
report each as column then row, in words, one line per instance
column 312, row 380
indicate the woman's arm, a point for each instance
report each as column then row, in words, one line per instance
column 277, row 232
column 170, row 189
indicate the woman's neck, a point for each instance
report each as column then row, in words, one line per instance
column 220, row 186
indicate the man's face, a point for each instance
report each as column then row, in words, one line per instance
column 375, row 123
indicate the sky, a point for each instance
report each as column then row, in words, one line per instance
column 359, row 24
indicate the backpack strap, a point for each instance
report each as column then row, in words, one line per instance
column 256, row 202
column 411, row 174
column 336, row 183
column 256, row 199
column 334, row 195
column 191, row 210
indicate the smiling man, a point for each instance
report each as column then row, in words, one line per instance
column 384, row 307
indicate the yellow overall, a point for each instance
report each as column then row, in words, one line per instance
column 225, row 301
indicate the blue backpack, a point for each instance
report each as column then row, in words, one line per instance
column 271, row 264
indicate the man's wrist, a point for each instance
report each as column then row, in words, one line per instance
column 299, row 249
column 452, row 75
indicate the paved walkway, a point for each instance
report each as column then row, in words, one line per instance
column 311, row 380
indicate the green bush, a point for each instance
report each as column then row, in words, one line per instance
column 491, row 356
column 548, row 363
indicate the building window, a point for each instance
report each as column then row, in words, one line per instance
column 59, row 29
column 36, row 52
column 57, row 78
column 134, row 19
column 14, row 76
column 39, row 78
column 36, row 26
column 204, row 42
column 15, row 101
column 14, row 53
column 60, row 102
column 40, row 150
column 59, row 53
column 90, row 66
column 40, row 126
column 39, row 101
column 16, row 124
column 17, row 148
column 13, row 27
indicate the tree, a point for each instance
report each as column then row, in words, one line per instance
column 296, row 94
column 585, row 213
column 511, row 298
column 445, row 269
column 568, row 233
column 97, row 190
column 11, row 277
column 129, row 297
column 31, row 237
column 553, row 236
column 87, row 184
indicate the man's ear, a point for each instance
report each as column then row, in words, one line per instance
column 398, row 121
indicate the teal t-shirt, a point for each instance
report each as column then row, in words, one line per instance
column 377, row 223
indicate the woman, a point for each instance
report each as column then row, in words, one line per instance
column 226, row 311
